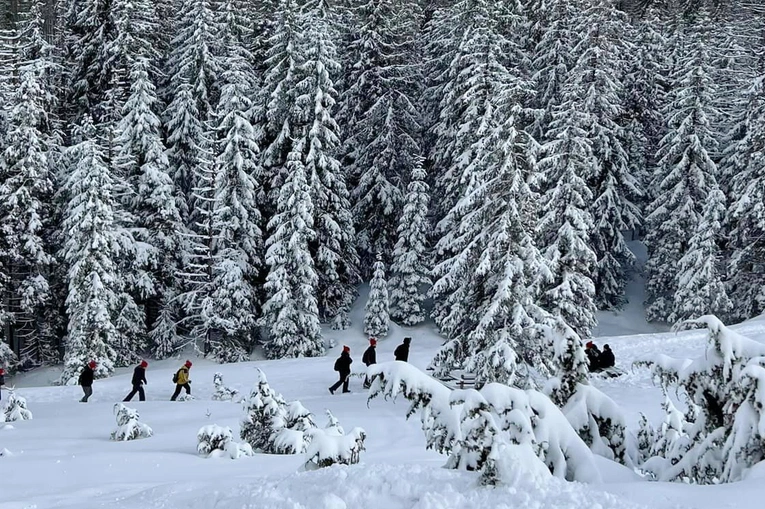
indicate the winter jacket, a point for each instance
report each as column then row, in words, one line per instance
column 2, row 380
column 593, row 356
column 370, row 356
column 183, row 376
column 86, row 377
column 606, row 359
column 139, row 375
column 402, row 352
column 343, row 363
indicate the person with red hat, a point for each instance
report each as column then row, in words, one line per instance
column 593, row 355
column 139, row 380
column 369, row 358
column 343, row 367
column 86, row 380
column 181, row 379
column 2, row 382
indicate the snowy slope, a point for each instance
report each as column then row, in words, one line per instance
column 64, row 458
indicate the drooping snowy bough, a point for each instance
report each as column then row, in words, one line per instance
column 331, row 446
column 128, row 425
column 481, row 430
column 16, row 408
column 218, row 441
column 222, row 392
column 722, row 433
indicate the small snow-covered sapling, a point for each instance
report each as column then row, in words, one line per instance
column 16, row 409
column 223, row 393
column 218, row 441
column 128, row 425
column 327, row 448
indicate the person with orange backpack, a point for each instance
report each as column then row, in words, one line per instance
column 181, row 379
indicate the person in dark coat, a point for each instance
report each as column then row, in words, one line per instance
column 607, row 359
column 369, row 358
column 2, row 382
column 401, row 353
column 343, row 367
column 139, row 380
column 86, row 380
column 182, row 380
column 593, row 355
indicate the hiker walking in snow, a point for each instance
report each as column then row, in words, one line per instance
column 139, row 380
column 401, row 353
column 181, row 379
column 593, row 355
column 86, row 381
column 2, row 382
column 369, row 358
column 343, row 367
column 607, row 359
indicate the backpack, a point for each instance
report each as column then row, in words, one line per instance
column 175, row 377
column 337, row 364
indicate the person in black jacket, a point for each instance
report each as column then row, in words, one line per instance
column 593, row 355
column 369, row 358
column 343, row 367
column 86, row 381
column 607, row 359
column 2, row 382
column 402, row 351
column 139, row 380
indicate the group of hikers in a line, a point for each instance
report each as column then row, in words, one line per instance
column 180, row 378
column 343, row 363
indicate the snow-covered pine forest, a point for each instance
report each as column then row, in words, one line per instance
column 225, row 173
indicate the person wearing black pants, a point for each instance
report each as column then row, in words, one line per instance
column 343, row 367
column 86, row 380
column 139, row 380
column 2, row 382
column 182, row 381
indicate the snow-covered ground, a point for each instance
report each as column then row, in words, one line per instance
column 64, row 458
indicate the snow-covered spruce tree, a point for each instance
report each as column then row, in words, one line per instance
column 700, row 287
column 16, row 408
column 128, row 425
column 595, row 87
column 291, row 313
column 334, row 248
column 724, row 390
column 294, row 436
column 143, row 162
column 26, row 192
column 488, row 266
column 646, row 436
column 410, row 272
column 595, row 417
column 94, row 243
column 376, row 318
column 237, row 252
column 687, row 171
column 8, row 357
column 566, row 222
column 381, row 121
column 671, row 440
column 454, row 421
column 746, row 216
column 264, row 415
column 215, row 441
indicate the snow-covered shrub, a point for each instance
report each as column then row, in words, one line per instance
column 223, row 393
column 217, row 441
column 645, row 438
column 474, row 427
column 8, row 359
column 333, row 426
column 592, row 414
column 292, row 437
column 327, row 449
column 16, row 408
column 128, row 425
column 722, row 434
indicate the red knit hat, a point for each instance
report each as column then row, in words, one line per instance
column 188, row 364
column 372, row 341
column 2, row 371
column 346, row 348
column 144, row 364
column 589, row 344
column 92, row 364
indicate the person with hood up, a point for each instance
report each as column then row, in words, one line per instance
column 343, row 368
column 181, row 379
column 369, row 358
column 86, row 380
column 593, row 355
column 401, row 353
column 139, row 380
column 607, row 359
column 2, row 382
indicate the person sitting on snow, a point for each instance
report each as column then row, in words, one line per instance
column 607, row 359
column 593, row 355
